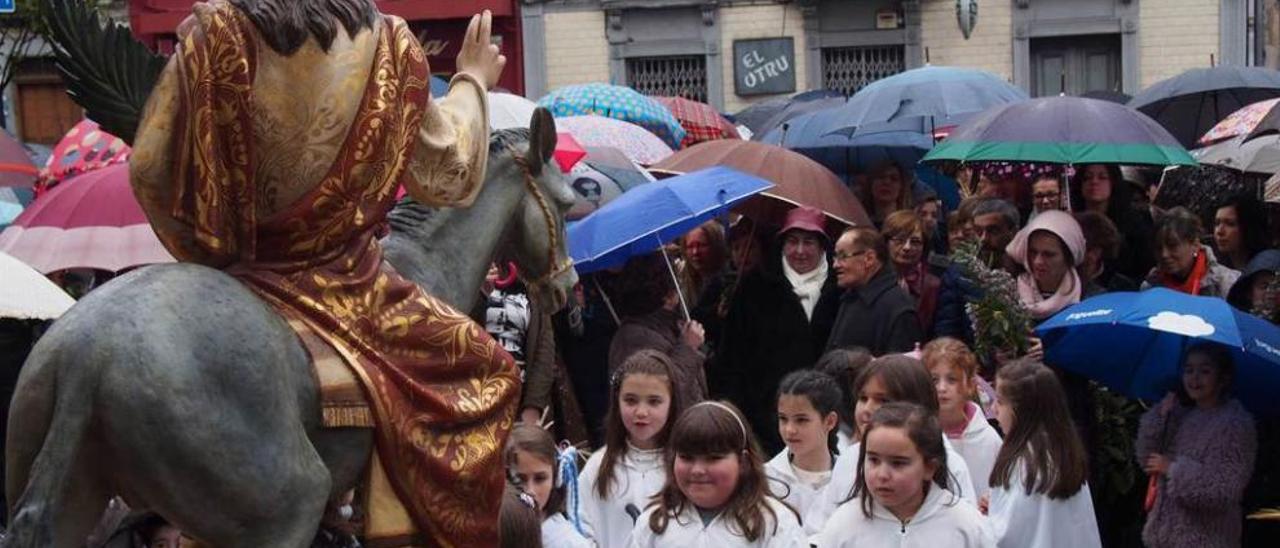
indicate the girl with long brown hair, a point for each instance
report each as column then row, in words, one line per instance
column 1039, row 489
column 538, row 466
column 716, row 492
column 902, row 489
column 620, row 478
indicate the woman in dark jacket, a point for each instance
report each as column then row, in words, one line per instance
column 778, row 322
column 1101, row 188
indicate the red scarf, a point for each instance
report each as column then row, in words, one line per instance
column 1191, row 285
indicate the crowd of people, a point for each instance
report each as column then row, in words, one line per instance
column 824, row 388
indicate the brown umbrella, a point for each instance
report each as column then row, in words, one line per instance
column 800, row 181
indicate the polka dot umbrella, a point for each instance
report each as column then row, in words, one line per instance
column 618, row 102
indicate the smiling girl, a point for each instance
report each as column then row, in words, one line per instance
column 716, row 493
column 808, row 405
column 902, row 489
column 621, row 478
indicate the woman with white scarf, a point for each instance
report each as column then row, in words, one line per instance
column 778, row 322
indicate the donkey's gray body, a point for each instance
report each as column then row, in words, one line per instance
column 175, row 387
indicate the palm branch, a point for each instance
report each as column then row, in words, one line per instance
column 107, row 70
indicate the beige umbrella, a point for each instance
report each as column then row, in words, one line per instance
column 27, row 295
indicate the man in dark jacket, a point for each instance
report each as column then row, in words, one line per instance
column 875, row 313
column 778, row 322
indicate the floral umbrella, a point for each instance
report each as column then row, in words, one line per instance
column 617, row 102
column 1246, row 121
column 597, row 131
column 90, row 221
column 700, row 121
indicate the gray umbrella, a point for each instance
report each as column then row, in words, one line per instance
column 1191, row 103
column 1259, row 155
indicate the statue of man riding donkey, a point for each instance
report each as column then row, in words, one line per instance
column 268, row 159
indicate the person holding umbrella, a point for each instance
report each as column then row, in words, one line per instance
column 888, row 188
column 1199, row 445
column 1185, row 264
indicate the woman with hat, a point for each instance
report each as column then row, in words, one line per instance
column 778, row 321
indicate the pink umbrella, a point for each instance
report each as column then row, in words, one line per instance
column 84, row 148
column 16, row 168
column 90, row 221
column 636, row 142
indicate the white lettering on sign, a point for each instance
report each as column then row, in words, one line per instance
column 1089, row 314
column 762, row 70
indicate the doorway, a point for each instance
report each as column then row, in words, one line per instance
column 1075, row 65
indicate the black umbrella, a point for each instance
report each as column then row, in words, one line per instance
column 763, row 116
column 1191, row 103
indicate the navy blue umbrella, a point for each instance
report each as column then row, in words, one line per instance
column 1191, row 103
column 817, row 136
column 760, row 116
column 1134, row 343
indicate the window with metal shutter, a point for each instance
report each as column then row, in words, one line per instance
column 681, row 76
column 847, row 70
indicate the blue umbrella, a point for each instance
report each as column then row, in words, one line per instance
column 648, row 216
column 816, row 135
column 1134, row 343
column 619, row 102
column 764, row 115
column 439, row 86
column 941, row 94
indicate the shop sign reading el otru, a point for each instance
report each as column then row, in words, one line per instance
column 764, row 66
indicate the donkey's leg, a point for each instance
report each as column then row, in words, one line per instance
column 209, row 423
column 53, row 475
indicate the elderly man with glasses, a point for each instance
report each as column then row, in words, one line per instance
column 875, row 313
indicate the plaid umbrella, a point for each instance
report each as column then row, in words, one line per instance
column 621, row 103
column 700, row 121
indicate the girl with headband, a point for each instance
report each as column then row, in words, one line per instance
column 716, row 492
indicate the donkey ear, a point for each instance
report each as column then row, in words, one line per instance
column 542, row 138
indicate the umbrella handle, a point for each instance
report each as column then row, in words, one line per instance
column 684, row 307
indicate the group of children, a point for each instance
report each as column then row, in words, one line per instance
column 923, row 466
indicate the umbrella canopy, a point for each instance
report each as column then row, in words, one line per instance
column 1261, row 155
column 90, row 221
column 800, row 181
column 614, row 164
column 508, row 111
column 592, row 189
column 12, row 202
column 644, row 219
column 27, row 295
column 1191, row 103
column 597, row 131
column 617, row 102
column 1134, row 343
column 816, row 135
column 757, row 116
column 568, row 151
column 84, row 148
column 943, row 94
column 795, row 109
column 16, row 167
column 439, row 86
column 1201, row 188
column 1250, row 121
column 701, row 122
column 1062, row 130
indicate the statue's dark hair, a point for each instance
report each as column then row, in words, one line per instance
column 286, row 24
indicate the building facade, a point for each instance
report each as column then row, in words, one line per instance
column 708, row 49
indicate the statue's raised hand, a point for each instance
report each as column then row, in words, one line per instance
column 479, row 57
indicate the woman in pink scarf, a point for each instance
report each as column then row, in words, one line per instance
column 1049, row 249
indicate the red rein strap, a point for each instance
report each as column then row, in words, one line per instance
column 512, row 274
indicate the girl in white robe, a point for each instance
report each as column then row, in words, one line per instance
column 619, row 480
column 549, row 475
column 954, row 369
column 808, row 412
column 716, row 493
column 901, row 493
column 893, row 378
column 1039, row 493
